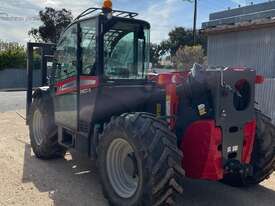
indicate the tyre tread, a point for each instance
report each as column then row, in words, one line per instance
column 166, row 173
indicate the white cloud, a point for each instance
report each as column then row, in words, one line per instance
column 159, row 16
column 159, row 13
column 75, row 6
column 14, row 32
column 17, row 30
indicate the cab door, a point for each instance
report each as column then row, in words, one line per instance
column 89, row 80
column 124, row 87
column 65, row 100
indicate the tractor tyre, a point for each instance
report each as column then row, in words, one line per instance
column 42, row 129
column 263, row 155
column 139, row 162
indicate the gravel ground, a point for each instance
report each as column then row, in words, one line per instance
column 11, row 101
column 73, row 181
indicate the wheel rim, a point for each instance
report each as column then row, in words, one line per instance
column 37, row 127
column 122, row 168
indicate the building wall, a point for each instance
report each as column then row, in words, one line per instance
column 266, row 98
column 254, row 49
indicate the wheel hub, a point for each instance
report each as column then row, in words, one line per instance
column 122, row 168
column 38, row 127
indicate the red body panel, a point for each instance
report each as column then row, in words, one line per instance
column 172, row 103
column 249, row 138
column 69, row 85
column 202, row 140
column 170, row 81
column 202, row 159
column 165, row 79
column 201, row 156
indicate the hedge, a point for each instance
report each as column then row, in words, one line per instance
column 15, row 57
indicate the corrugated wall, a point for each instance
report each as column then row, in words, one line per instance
column 266, row 97
column 254, row 49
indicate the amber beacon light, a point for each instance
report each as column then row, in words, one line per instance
column 107, row 4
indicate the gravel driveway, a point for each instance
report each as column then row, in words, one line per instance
column 73, row 181
column 11, row 101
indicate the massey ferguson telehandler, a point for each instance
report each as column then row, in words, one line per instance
column 146, row 132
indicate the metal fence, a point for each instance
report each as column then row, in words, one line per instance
column 16, row 79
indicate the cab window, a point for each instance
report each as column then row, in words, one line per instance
column 66, row 54
column 125, row 52
column 88, row 47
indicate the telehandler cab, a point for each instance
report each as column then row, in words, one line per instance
column 145, row 132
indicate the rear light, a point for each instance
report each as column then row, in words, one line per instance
column 259, row 79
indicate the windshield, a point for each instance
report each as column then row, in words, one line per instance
column 126, row 51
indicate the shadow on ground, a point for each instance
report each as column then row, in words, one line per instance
column 69, row 182
column 74, row 181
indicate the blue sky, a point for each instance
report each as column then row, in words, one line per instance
column 163, row 15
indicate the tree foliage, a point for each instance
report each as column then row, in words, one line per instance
column 180, row 37
column 186, row 56
column 157, row 52
column 154, row 54
column 173, row 47
column 13, row 57
column 54, row 22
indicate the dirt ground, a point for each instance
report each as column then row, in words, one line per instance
column 73, row 181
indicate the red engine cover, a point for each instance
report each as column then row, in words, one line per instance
column 201, row 156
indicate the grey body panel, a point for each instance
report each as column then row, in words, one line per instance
column 232, row 124
column 249, row 45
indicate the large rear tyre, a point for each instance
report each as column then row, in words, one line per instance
column 43, row 131
column 139, row 162
column 263, row 155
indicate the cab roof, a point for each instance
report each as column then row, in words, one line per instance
column 115, row 14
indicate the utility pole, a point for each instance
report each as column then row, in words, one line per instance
column 195, row 20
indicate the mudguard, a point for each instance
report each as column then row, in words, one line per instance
column 202, row 157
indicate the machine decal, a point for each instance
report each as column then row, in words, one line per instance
column 69, row 85
column 232, row 149
column 202, row 109
column 158, row 110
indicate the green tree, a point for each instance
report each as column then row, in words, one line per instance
column 180, row 37
column 186, row 56
column 54, row 22
column 155, row 54
column 13, row 57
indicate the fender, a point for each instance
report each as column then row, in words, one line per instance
column 41, row 91
column 38, row 93
column 202, row 157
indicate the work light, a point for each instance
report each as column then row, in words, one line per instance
column 107, row 5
